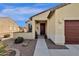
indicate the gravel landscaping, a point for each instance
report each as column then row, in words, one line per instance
column 51, row 45
column 26, row 48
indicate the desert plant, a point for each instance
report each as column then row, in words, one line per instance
column 19, row 40
column 2, row 49
column 6, row 35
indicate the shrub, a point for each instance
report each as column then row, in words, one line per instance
column 19, row 40
column 6, row 35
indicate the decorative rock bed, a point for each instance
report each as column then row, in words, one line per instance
column 23, row 49
column 5, row 50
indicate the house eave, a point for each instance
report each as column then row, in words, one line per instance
column 51, row 9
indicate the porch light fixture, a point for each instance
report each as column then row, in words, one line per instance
column 59, row 21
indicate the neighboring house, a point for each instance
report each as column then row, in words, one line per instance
column 7, row 26
column 21, row 29
column 25, row 29
column 60, row 24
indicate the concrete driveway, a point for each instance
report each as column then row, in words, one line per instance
column 72, row 51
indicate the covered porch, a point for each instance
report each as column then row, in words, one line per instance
column 40, row 27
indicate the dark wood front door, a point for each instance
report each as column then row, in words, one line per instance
column 42, row 28
column 72, row 31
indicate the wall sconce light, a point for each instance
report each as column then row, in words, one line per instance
column 37, row 27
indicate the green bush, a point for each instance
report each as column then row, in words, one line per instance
column 19, row 40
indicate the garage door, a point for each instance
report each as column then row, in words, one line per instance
column 72, row 32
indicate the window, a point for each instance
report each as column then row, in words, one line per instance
column 30, row 27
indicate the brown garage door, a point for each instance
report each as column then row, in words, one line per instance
column 72, row 32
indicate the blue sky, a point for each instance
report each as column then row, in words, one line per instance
column 20, row 12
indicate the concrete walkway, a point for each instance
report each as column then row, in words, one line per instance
column 41, row 48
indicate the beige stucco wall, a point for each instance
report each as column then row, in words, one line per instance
column 33, row 28
column 68, row 12
column 48, row 29
column 51, row 28
column 42, row 16
column 25, row 35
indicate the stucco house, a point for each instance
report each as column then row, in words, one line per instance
column 60, row 24
column 25, row 29
column 8, row 26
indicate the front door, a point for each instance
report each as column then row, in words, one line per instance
column 42, row 28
